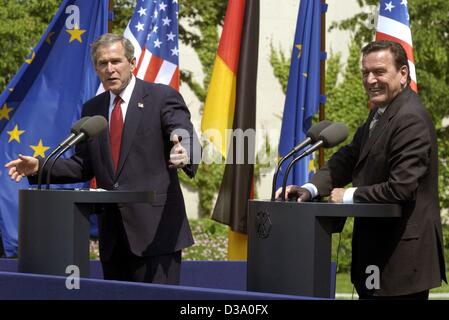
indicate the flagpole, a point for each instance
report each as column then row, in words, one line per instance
column 111, row 3
column 322, row 114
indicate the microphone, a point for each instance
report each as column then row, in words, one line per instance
column 331, row 136
column 311, row 137
column 89, row 129
column 74, row 131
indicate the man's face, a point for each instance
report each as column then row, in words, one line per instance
column 112, row 67
column 381, row 79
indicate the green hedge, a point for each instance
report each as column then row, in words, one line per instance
column 211, row 241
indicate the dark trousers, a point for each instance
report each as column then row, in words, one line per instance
column 124, row 265
column 423, row 295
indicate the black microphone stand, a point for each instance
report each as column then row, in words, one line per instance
column 292, row 163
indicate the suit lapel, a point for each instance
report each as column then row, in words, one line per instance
column 382, row 124
column 369, row 141
column 105, row 145
column 132, row 120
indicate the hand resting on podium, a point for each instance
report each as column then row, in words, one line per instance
column 295, row 193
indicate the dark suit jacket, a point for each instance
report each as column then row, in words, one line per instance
column 397, row 164
column 154, row 111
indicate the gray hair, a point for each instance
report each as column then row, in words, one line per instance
column 108, row 39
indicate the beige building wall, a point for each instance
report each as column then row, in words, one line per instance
column 277, row 26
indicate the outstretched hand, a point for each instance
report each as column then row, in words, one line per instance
column 22, row 167
column 178, row 154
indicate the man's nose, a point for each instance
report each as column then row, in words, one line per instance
column 110, row 67
column 371, row 78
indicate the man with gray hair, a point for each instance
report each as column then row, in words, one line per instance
column 393, row 158
column 150, row 135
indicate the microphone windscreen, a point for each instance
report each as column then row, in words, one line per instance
column 334, row 134
column 94, row 126
column 315, row 130
column 77, row 125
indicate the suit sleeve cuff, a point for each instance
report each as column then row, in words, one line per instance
column 348, row 196
column 312, row 189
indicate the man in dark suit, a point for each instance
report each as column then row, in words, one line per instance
column 140, row 151
column 392, row 158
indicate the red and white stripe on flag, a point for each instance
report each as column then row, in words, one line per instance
column 394, row 24
column 153, row 30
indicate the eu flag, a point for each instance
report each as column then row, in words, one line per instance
column 303, row 89
column 45, row 97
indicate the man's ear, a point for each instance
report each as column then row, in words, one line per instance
column 404, row 75
column 133, row 64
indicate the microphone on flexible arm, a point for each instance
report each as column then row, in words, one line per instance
column 311, row 137
column 74, row 131
column 90, row 128
column 331, row 136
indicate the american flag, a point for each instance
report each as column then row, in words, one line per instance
column 153, row 30
column 394, row 24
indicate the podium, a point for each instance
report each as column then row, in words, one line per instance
column 289, row 243
column 54, row 227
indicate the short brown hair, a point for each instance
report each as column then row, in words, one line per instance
column 108, row 39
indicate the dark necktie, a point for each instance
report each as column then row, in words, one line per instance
column 115, row 130
column 374, row 121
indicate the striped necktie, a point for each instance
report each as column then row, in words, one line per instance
column 374, row 121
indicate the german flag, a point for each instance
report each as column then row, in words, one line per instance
column 220, row 102
column 231, row 104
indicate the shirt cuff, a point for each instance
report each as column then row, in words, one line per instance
column 348, row 196
column 312, row 189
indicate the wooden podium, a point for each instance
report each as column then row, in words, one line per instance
column 54, row 227
column 289, row 243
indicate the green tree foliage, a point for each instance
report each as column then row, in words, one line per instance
column 123, row 9
column 200, row 20
column 22, row 24
column 207, row 182
column 346, row 98
column 280, row 65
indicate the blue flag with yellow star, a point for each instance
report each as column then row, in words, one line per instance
column 303, row 90
column 44, row 99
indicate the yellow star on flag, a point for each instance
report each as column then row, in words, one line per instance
column 4, row 112
column 75, row 34
column 30, row 60
column 48, row 39
column 299, row 46
column 15, row 134
column 40, row 149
